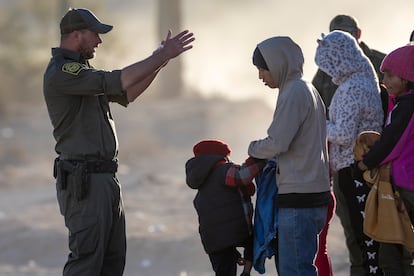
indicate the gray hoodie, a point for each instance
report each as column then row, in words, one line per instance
column 297, row 134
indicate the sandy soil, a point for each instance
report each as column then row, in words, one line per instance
column 156, row 139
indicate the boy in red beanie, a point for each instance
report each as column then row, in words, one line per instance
column 223, row 204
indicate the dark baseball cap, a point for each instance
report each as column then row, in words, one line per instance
column 79, row 19
column 344, row 23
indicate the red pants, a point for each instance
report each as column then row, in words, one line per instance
column 322, row 260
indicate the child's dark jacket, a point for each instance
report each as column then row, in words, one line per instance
column 222, row 221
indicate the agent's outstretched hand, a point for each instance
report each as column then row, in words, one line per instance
column 174, row 46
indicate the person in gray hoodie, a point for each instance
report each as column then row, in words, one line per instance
column 297, row 136
column 355, row 107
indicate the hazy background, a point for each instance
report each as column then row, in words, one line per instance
column 226, row 33
column 220, row 96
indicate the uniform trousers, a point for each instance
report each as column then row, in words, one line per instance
column 96, row 224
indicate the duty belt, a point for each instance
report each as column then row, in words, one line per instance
column 81, row 169
column 90, row 166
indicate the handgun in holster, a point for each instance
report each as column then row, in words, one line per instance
column 60, row 174
column 78, row 172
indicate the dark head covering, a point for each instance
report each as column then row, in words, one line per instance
column 258, row 59
column 344, row 23
column 80, row 19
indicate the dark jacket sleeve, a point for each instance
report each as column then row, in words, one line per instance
column 400, row 118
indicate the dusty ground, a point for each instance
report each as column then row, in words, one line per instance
column 156, row 139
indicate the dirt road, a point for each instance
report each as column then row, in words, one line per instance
column 161, row 223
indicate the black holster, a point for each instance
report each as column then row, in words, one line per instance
column 80, row 170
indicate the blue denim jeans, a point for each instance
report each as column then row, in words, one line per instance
column 298, row 231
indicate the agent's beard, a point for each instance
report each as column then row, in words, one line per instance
column 86, row 53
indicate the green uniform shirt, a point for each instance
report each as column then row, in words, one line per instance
column 77, row 97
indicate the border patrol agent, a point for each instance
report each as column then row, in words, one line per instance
column 77, row 97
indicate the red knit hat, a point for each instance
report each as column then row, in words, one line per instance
column 211, row 147
column 400, row 62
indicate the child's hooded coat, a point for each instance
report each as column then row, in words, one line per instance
column 219, row 207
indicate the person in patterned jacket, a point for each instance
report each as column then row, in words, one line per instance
column 326, row 88
column 356, row 106
column 223, row 204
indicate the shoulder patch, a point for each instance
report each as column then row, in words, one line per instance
column 73, row 68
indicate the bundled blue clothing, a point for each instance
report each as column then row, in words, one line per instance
column 265, row 217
